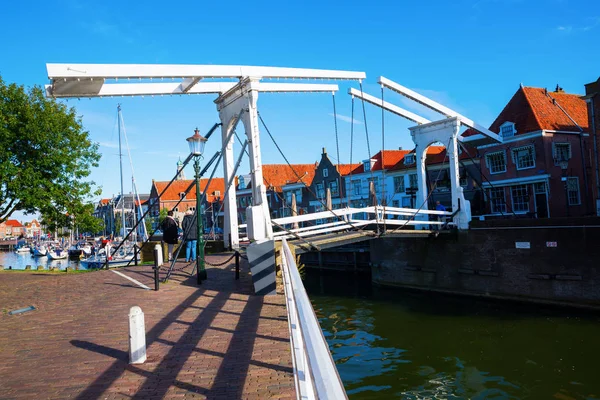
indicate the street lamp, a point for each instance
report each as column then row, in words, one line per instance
column 196, row 143
column 563, row 163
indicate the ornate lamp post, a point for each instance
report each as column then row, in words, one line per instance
column 564, row 164
column 196, row 143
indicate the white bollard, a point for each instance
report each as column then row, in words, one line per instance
column 158, row 248
column 137, row 336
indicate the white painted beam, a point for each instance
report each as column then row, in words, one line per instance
column 388, row 106
column 174, row 88
column 427, row 102
column 146, row 71
column 188, row 83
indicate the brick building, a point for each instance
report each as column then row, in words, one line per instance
column 592, row 98
column 541, row 169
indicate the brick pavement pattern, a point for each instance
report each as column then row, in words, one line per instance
column 214, row 341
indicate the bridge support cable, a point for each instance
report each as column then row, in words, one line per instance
column 337, row 146
column 289, row 231
column 298, row 176
column 349, row 188
column 485, row 177
column 364, row 110
column 428, row 194
column 383, row 200
column 315, row 373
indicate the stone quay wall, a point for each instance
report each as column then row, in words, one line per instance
column 547, row 264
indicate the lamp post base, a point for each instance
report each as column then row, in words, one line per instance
column 202, row 275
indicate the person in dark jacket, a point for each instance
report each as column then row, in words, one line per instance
column 190, row 232
column 169, row 228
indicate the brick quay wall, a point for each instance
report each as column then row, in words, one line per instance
column 549, row 262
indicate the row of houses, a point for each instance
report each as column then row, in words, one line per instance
column 547, row 166
column 14, row 229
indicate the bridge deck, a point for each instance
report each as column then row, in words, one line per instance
column 338, row 239
column 212, row 341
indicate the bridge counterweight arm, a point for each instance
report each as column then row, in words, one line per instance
column 388, row 106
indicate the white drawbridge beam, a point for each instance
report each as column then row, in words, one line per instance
column 427, row 102
column 388, row 106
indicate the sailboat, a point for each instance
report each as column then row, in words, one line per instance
column 107, row 256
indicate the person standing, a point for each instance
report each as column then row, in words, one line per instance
column 439, row 207
column 190, row 233
column 169, row 228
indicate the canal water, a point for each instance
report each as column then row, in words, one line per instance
column 21, row 260
column 392, row 343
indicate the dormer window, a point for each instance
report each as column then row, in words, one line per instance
column 182, row 196
column 241, row 182
column 217, row 193
column 507, row 129
column 409, row 159
column 325, row 172
column 368, row 164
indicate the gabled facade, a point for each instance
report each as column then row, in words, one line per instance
column 540, row 170
column 329, row 176
column 33, row 229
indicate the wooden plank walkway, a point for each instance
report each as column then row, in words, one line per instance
column 216, row 341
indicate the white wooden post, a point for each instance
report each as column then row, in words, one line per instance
column 158, row 251
column 137, row 336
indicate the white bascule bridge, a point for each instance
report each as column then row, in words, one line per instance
column 236, row 90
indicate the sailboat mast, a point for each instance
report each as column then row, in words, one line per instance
column 121, row 169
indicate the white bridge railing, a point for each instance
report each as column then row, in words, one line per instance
column 325, row 221
column 315, row 373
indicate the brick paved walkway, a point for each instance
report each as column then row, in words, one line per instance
column 216, row 341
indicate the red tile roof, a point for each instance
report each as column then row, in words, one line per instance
column 390, row 158
column 104, row 201
column 14, row 223
column 534, row 109
column 277, row 175
column 180, row 186
column 344, row 169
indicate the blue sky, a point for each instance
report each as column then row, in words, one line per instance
column 470, row 55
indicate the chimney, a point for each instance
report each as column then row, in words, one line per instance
column 324, row 150
column 558, row 89
column 400, row 148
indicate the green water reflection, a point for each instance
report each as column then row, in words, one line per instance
column 389, row 343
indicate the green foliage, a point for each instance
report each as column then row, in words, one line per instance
column 45, row 156
column 85, row 220
column 118, row 224
column 162, row 215
column 148, row 223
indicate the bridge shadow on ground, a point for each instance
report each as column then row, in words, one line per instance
column 204, row 345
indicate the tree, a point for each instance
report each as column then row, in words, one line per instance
column 85, row 220
column 45, row 155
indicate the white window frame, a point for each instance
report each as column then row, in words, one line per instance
column 489, row 164
column 399, row 184
column 356, row 187
column 554, row 152
column 516, row 159
column 526, row 196
column 325, row 172
column 577, row 192
column 320, row 190
column 507, row 130
column 497, row 208
column 414, row 181
column 335, row 192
